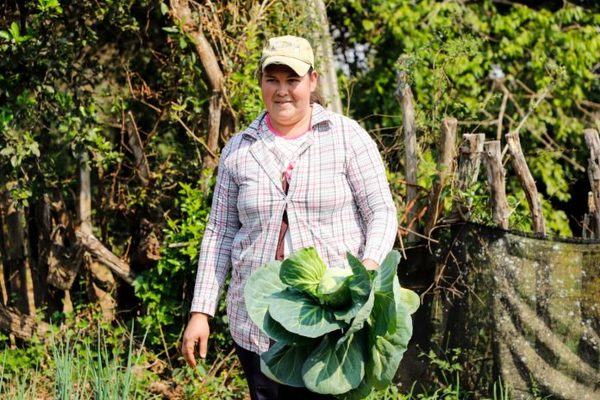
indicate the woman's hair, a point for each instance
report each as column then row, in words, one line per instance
column 315, row 97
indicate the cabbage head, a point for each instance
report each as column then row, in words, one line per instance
column 338, row 331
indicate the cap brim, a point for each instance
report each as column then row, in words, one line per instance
column 299, row 67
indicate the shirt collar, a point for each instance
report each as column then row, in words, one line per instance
column 319, row 116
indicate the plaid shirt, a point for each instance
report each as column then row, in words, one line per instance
column 338, row 200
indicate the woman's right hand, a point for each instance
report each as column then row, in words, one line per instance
column 196, row 334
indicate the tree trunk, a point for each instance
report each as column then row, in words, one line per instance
column 18, row 266
column 84, row 209
column 324, row 56
column 3, row 272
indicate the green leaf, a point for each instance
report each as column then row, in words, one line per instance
column 283, row 363
column 410, row 300
column 387, row 350
column 278, row 333
column 303, row 270
column 368, row 24
column 332, row 369
column 384, row 307
column 300, row 314
column 261, row 284
column 362, row 315
column 360, row 288
column 164, row 9
column 14, row 31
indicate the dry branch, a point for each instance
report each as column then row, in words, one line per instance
column 22, row 326
column 526, row 179
column 105, row 256
column 137, row 147
column 492, row 157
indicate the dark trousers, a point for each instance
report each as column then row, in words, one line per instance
column 263, row 388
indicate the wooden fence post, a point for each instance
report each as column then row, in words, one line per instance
column 593, row 143
column 444, row 170
column 405, row 97
column 492, row 157
column 468, row 169
column 526, row 179
column 587, row 228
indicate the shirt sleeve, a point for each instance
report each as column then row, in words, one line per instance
column 214, row 261
column 367, row 177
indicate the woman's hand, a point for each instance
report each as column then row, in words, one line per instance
column 196, row 333
column 370, row 264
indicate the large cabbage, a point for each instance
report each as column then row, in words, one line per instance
column 339, row 331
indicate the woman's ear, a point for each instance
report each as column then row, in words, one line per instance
column 314, row 79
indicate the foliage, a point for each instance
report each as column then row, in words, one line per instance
column 477, row 61
column 164, row 291
column 347, row 347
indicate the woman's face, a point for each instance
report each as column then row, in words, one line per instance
column 287, row 95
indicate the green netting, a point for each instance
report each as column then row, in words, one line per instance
column 522, row 309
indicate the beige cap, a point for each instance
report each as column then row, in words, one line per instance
column 293, row 51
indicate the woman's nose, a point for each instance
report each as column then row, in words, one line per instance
column 281, row 90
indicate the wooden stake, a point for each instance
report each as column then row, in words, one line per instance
column 492, row 157
column 468, row 170
column 447, row 152
column 593, row 143
column 405, row 97
column 526, row 179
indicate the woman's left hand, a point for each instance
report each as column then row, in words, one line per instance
column 370, row 264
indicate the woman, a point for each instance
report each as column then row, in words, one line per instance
column 298, row 176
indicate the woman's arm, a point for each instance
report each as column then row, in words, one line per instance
column 214, row 260
column 367, row 177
